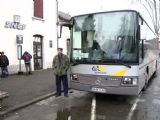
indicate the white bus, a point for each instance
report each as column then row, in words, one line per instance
column 113, row 52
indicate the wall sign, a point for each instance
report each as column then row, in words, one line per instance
column 16, row 24
column 16, row 18
column 19, row 39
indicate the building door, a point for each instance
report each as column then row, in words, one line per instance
column 37, row 52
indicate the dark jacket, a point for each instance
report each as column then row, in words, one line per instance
column 4, row 61
column 60, row 65
column 26, row 57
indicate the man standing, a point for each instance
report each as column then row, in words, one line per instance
column 60, row 66
column 4, row 62
column 27, row 60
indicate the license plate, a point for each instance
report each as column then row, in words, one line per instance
column 100, row 90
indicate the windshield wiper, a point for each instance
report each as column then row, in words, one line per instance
column 75, row 63
column 122, row 63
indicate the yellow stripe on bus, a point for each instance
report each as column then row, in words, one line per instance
column 120, row 73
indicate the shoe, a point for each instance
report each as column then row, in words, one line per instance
column 30, row 73
column 57, row 95
column 27, row 74
column 66, row 96
column 3, row 76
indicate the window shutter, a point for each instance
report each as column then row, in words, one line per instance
column 38, row 8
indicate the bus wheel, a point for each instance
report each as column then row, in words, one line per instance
column 146, row 79
column 155, row 74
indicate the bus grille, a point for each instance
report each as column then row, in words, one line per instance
column 100, row 80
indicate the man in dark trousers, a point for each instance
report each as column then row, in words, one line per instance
column 27, row 60
column 4, row 62
column 60, row 66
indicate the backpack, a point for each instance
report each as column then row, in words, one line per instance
column 26, row 57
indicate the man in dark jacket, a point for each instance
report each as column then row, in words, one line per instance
column 27, row 60
column 4, row 62
column 60, row 66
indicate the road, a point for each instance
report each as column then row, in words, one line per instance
column 89, row 106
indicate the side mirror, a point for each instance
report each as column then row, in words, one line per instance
column 142, row 22
column 143, row 49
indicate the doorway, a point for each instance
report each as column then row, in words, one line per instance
column 37, row 52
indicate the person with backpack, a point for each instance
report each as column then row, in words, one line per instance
column 4, row 62
column 27, row 60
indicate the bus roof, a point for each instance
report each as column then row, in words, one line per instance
column 125, row 10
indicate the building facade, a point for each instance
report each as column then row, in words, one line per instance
column 28, row 25
column 65, row 33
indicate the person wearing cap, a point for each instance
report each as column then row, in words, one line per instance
column 4, row 62
column 60, row 66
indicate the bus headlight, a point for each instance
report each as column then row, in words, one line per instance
column 129, row 81
column 74, row 77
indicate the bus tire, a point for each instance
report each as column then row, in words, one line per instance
column 155, row 74
column 146, row 80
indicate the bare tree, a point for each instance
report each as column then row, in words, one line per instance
column 153, row 9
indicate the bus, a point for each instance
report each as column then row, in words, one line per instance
column 113, row 52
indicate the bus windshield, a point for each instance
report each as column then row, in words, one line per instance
column 105, row 38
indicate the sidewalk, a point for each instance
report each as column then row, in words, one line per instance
column 23, row 88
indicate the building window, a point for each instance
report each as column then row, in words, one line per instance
column 38, row 8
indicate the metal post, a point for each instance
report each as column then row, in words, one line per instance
column 19, row 53
column 57, row 23
column 20, row 71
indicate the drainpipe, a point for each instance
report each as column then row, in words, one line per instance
column 57, row 22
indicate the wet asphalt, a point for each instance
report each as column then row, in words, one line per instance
column 89, row 106
column 23, row 88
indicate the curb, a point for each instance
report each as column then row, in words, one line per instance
column 25, row 104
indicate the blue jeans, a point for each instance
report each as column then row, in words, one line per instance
column 64, row 80
column 4, row 71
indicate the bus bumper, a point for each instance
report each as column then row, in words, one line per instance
column 120, row 90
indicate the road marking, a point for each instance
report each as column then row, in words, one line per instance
column 93, row 108
column 69, row 117
column 133, row 108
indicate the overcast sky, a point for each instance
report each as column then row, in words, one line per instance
column 74, row 7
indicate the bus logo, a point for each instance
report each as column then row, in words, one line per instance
column 95, row 68
column 98, row 82
column 98, row 69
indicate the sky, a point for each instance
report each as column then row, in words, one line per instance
column 75, row 7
